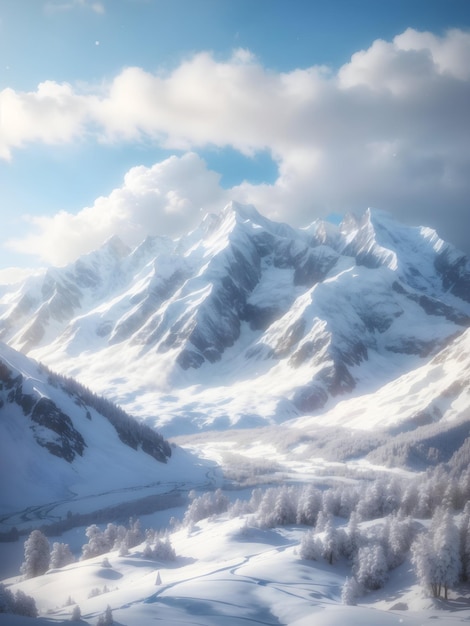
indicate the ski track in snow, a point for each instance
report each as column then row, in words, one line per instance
column 311, row 590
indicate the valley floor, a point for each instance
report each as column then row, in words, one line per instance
column 229, row 571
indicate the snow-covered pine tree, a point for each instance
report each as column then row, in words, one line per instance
column 61, row 555
column 352, row 540
column 398, row 534
column 330, row 548
column 264, row 513
column 24, row 605
column 309, row 548
column 97, row 543
column 350, row 591
column 284, row 508
column 371, row 567
column 308, row 506
column 7, row 600
column 424, row 560
column 134, row 535
column 446, row 542
column 19, row 604
column 76, row 614
column 36, row 555
column 464, row 531
column 106, row 619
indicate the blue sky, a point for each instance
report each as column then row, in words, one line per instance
column 136, row 116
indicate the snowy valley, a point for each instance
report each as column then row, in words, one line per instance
column 283, row 413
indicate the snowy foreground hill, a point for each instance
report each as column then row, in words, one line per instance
column 314, row 387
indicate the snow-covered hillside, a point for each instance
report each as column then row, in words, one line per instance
column 285, row 556
column 64, row 450
column 225, row 574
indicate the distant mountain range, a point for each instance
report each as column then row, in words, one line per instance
column 245, row 321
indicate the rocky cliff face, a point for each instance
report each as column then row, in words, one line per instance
column 56, row 410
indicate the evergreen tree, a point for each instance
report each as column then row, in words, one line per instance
column 398, row 534
column 24, row 605
column 308, row 506
column 97, row 543
column 352, row 540
column 134, row 535
column 424, row 560
column 330, row 542
column 107, row 618
column 464, row 532
column 61, row 555
column 350, row 591
column 446, row 542
column 36, row 555
column 371, row 567
column 266, row 506
column 284, row 508
column 309, row 548
column 7, row 600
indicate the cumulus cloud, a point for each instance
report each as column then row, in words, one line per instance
column 390, row 128
column 52, row 114
column 160, row 200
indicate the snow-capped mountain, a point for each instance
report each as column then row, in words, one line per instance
column 58, row 440
column 245, row 320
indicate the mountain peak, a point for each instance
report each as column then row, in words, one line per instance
column 244, row 211
column 116, row 247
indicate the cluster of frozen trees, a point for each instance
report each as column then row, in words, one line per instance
column 19, row 603
column 39, row 557
column 419, row 497
column 440, row 555
column 113, row 537
column 158, row 547
column 372, row 550
column 206, row 505
column 117, row 537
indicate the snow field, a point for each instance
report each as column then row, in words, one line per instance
column 228, row 573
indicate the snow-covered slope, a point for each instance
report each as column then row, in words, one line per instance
column 244, row 320
column 60, row 444
column 227, row 572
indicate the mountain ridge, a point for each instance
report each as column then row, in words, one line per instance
column 243, row 299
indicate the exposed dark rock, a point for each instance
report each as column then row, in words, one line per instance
column 259, row 318
column 69, row 442
column 337, row 379
column 455, row 274
column 412, row 346
column 310, row 398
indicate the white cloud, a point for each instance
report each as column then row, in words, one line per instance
column 390, row 129
column 52, row 114
column 160, row 200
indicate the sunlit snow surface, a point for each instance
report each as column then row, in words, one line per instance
column 226, row 573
